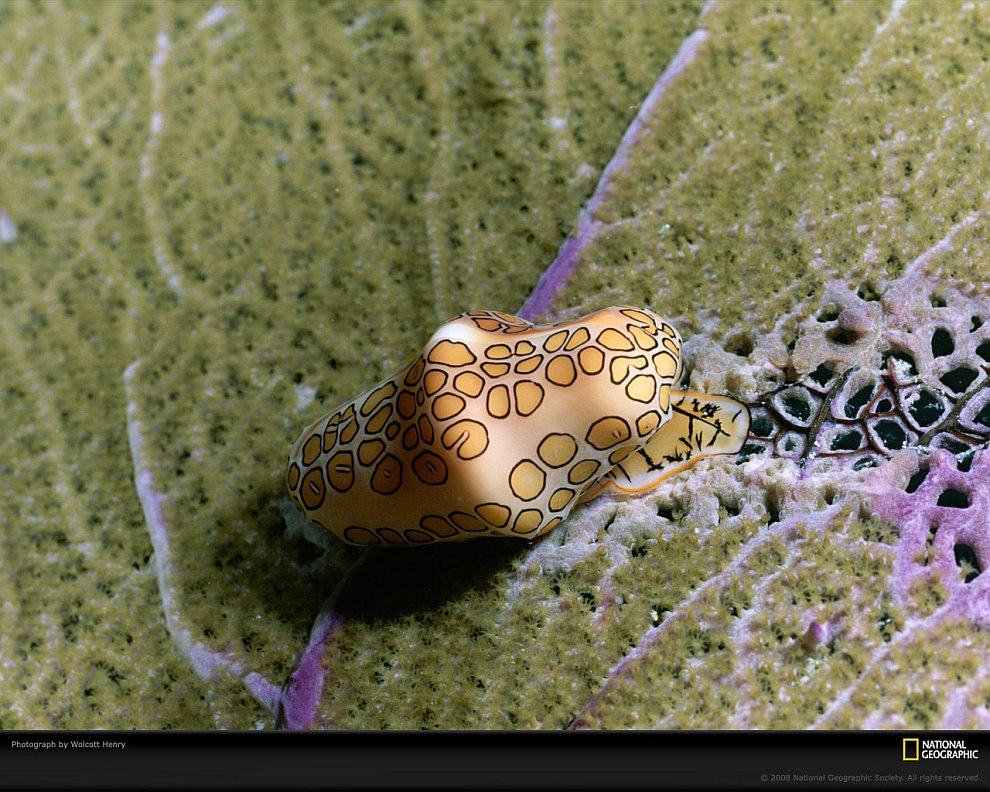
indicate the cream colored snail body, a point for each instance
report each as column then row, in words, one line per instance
column 501, row 426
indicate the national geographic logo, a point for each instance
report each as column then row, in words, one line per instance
column 914, row 749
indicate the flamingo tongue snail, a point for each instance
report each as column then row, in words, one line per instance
column 501, row 426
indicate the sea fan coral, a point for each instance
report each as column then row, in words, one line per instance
column 898, row 516
column 905, row 371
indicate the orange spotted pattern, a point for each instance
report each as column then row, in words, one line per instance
column 501, row 426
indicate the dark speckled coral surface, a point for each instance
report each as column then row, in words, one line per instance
column 220, row 220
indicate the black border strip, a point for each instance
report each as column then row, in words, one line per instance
column 491, row 760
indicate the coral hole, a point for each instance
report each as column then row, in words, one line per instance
column 891, row 434
column 858, row 401
column 761, row 426
column 954, row 499
column 741, row 344
column 917, row 479
column 967, row 561
column 748, row 450
column 822, row 374
column 828, row 314
column 867, row 292
column 797, row 407
column 958, row 380
column 731, row 506
column 840, row 335
column 796, row 404
column 965, row 461
column 904, row 357
column 942, row 343
column 846, row 441
column 926, row 409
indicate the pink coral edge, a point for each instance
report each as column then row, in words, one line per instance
column 621, row 670
column 293, row 705
column 917, row 513
column 299, row 699
column 206, row 662
column 560, row 271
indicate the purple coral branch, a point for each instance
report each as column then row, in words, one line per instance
column 209, row 664
column 302, row 693
column 913, row 627
column 961, row 711
column 623, row 669
column 206, row 662
column 917, row 513
column 568, row 258
column 944, row 245
column 293, row 705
